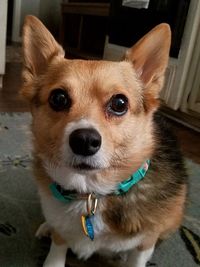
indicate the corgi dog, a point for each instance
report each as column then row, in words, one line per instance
column 109, row 173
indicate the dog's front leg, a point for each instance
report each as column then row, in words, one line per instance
column 57, row 253
column 139, row 258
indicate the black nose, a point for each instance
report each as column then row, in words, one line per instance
column 85, row 142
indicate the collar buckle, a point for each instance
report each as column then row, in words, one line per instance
column 124, row 186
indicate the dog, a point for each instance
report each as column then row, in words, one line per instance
column 110, row 175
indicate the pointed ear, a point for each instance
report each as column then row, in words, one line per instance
column 39, row 47
column 150, row 55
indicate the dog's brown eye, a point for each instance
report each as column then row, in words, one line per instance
column 59, row 100
column 118, row 105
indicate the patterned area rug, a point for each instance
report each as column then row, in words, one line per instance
column 20, row 213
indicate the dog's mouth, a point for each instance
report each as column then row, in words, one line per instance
column 87, row 164
column 85, row 167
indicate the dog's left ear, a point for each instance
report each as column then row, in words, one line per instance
column 150, row 55
column 39, row 48
column 39, row 45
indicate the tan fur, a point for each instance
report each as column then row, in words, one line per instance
column 159, row 219
column 57, row 239
column 167, row 224
column 48, row 129
column 34, row 59
column 150, row 55
column 129, row 139
column 42, row 178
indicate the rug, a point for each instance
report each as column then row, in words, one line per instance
column 20, row 213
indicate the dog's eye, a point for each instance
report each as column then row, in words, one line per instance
column 59, row 100
column 118, row 105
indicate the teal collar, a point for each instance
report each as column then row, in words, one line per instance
column 124, row 186
column 68, row 196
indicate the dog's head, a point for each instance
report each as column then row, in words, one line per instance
column 93, row 116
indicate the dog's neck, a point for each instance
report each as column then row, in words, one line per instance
column 67, row 195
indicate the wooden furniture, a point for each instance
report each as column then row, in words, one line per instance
column 83, row 29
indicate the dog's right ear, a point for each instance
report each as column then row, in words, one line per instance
column 150, row 55
column 39, row 47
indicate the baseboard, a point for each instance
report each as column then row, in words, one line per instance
column 189, row 120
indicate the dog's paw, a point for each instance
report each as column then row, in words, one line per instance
column 44, row 230
column 56, row 256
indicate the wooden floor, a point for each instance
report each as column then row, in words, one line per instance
column 11, row 102
column 9, row 96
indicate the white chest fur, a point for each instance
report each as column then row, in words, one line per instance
column 66, row 220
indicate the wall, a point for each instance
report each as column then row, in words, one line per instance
column 3, row 20
column 50, row 13
column 29, row 7
column 47, row 10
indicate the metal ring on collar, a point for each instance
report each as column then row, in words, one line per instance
column 92, row 202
